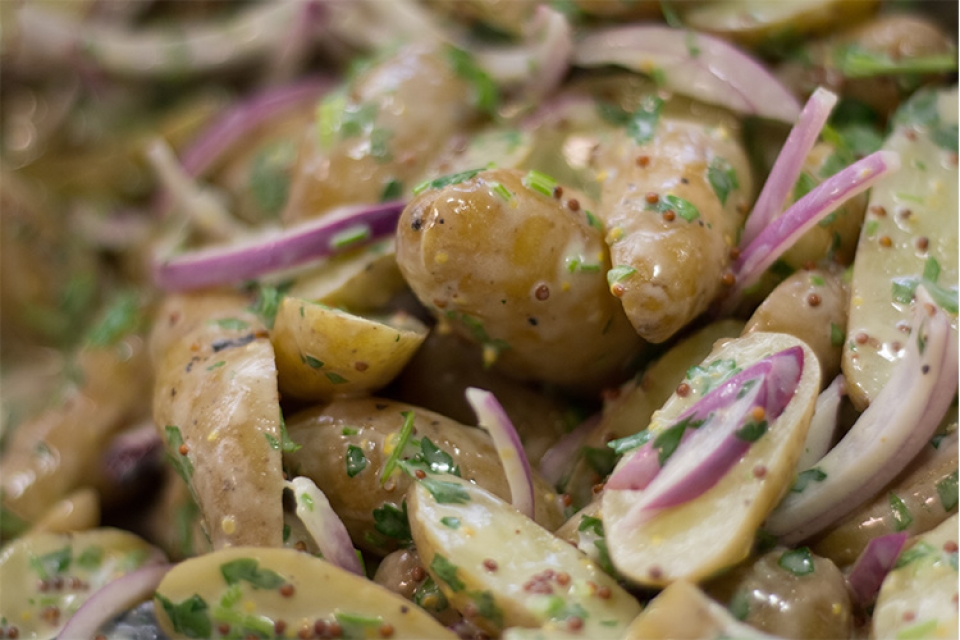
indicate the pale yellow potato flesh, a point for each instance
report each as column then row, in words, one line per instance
column 715, row 530
column 911, row 219
column 320, row 591
column 324, row 352
column 31, row 565
column 485, row 555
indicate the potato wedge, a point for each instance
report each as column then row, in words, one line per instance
column 270, row 592
column 909, row 236
column 324, row 352
column 716, row 529
column 500, row 569
column 32, row 567
column 918, row 598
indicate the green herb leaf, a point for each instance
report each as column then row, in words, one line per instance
column 487, row 607
column 855, row 61
column 668, row 440
column 601, row 460
column 450, row 522
column 393, row 522
column 51, row 564
column 629, row 443
column 231, row 324
column 946, row 137
column 90, row 558
column 311, row 362
column 947, row 490
column 805, row 184
column 445, row 181
column 804, row 478
column 592, row 524
column 712, row 374
column 447, row 572
column 429, row 596
column 723, row 178
column 392, row 190
column 248, row 570
column 335, row 378
column 918, row 631
column 180, row 463
column 799, row 562
column 286, row 444
column 619, row 273
column 643, row 121
column 445, row 492
column 752, row 430
column 917, row 552
column 356, row 461
column 901, row 514
column 270, row 176
column 354, row 235
column 406, row 430
column 739, row 606
column 836, row 335
column 540, row 182
column 190, row 617
column 436, row 459
column 268, row 303
column 486, row 97
column 121, row 317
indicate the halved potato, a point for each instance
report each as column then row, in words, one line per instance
column 324, row 352
column 500, row 569
column 245, row 591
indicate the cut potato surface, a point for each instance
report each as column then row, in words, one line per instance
column 706, row 534
column 274, row 592
column 501, row 569
column 909, row 236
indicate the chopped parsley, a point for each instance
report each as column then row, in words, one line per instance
column 855, row 61
column 393, row 522
column 90, row 558
column 445, row 181
column 901, row 514
column 335, row 378
column 601, row 460
column 799, row 562
column 540, row 182
column 270, row 176
column 947, row 491
column 406, row 430
column 629, row 443
column 53, row 563
column 248, row 570
column 121, row 317
column 485, row 95
column 752, row 431
column 356, row 461
column 447, row 572
column 643, row 122
column 723, row 178
column 445, row 492
column 392, row 190
column 836, row 335
column 668, row 440
column 804, row 478
column 619, row 273
column 451, row 522
column 190, row 617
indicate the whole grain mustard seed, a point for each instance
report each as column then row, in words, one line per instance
column 184, row 449
column 814, row 300
column 885, row 241
column 643, row 161
column 683, row 389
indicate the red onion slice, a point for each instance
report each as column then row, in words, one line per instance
column 560, row 458
column 769, row 384
column 693, row 64
column 324, row 525
column 789, row 163
column 112, row 599
column 270, row 252
column 240, row 120
column 886, row 437
column 823, row 424
column 492, row 417
column 783, row 232
column 873, row 565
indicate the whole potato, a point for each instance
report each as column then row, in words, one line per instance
column 521, row 271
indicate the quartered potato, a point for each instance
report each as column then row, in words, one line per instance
column 918, row 598
column 324, row 352
column 756, row 22
column 909, row 237
column 500, row 569
column 715, row 530
column 251, row 591
column 683, row 612
column 345, row 448
column 46, row 577
column 217, row 407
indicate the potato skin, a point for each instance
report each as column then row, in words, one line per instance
column 417, row 101
column 679, row 257
column 524, row 275
column 371, row 424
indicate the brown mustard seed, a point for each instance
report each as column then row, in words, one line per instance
column 909, row 615
column 279, row 627
column 655, row 572
column 597, row 488
column 728, row 279
column 814, row 300
column 184, row 449
column 950, row 546
column 759, row 471
column 305, row 633
column 320, row 627
column 574, row 623
column 223, row 628
column 604, row 593
column 490, row 564
column 669, row 215
column 618, row 290
column 14, row 632
column 386, row 630
column 885, row 241
column 335, row 630
column 566, row 500
column 361, row 366
column 542, row 292
column 878, row 211
column 651, row 197
column 557, row 192
column 923, row 243
column 287, row 590
column 861, row 338
column 418, row 574
column 420, row 473
column 643, row 161
column 683, row 389
column 573, row 204
column 734, row 253
column 563, row 578
column 758, row 413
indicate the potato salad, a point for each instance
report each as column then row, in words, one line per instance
column 479, row 319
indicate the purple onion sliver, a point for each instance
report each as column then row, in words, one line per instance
column 789, row 163
column 823, row 424
column 692, row 64
column 240, row 120
column 324, row 525
column 639, row 470
column 249, row 260
column 112, row 599
column 493, row 418
column 781, row 234
column 873, row 565
column 887, row 436
column 559, row 458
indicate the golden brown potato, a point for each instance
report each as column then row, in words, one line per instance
column 520, row 271
column 346, row 445
column 378, row 136
column 675, row 194
column 812, row 306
